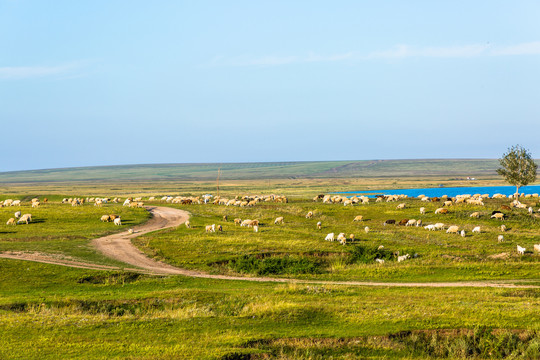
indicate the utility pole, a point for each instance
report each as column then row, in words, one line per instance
column 217, row 180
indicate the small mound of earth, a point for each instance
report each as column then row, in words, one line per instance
column 503, row 255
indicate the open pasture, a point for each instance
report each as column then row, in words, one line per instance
column 297, row 248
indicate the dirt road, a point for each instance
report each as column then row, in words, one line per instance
column 119, row 247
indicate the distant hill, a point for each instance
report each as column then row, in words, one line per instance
column 263, row 170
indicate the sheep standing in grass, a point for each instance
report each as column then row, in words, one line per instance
column 220, row 228
column 319, row 225
column 430, row 227
column 521, row 250
column 500, row 238
column 358, row 218
column 237, row 221
column 441, row 211
column 462, row 233
column 35, row 204
column 342, row 239
column 530, row 210
column 403, row 257
column 25, row 218
column 503, row 228
column 211, row 228
column 418, row 222
column 256, row 228
column 366, row 229
column 439, row 226
column 17, row 214
column 380, row 261
column 475, row 214
column 499, row 216
column 329, row 237
column 279, row 220
column 105, row 218
column 423, row 210
column 453, row 229
column 400, row 206
column 117, row 221
column 11, row 221
column 536, row 247
column 130, row 231
column 309, row 215
column 411, row 222
column 188, row 224
column 476, row 230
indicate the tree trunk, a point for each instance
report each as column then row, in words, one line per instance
column 517, row 193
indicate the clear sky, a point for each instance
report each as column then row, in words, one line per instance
column 126, row 82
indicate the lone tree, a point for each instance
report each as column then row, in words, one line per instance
column 517, row 167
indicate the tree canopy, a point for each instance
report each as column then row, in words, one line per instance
column 517, row 167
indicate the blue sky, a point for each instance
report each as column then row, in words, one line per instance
column 126, row 82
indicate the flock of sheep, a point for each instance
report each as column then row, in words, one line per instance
column 476, row 199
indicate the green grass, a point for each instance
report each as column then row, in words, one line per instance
column 47, row 312
column 62, row 229
column 439, row 256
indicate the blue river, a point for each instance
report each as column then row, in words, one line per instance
column 450, row 191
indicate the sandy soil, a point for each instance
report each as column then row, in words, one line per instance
column 119, row 247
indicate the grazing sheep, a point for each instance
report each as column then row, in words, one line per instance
column 319, row 225
column 309, row 215
column 211, row 228
column 26, row 218
column 220, row 228
column 441, row 211
column 462, row 233
column 430, row 227
column 225, row 218
column 439, row 226
column 329, row 237
column 499, row 216
column 476, row 230
column 130, row 231
column 500, row 238
column 453, row 229
column 423, row 210
column 117, row 221
column 388, row 222
column 11, row 221
column 16, row 203
column 105, row 218
column 188, row 224
column 400, row 206
column 279, row 220
column 536, row 247
column 380, row 247
column 114, row 216
column 351, row 237
column 418, row 223
column 341, row 238
column 411, row 222
column 380, row 261
column 447, row 203
column 366, row 229
column 17, row 214
column 35, row 204
column 521, row 250
column 127, row 202
column 245, row 222
column 347, row 202
column 475, row 214
column 530, row 210
column 403, row 257
column 255, row 228
column 403, row 222
column 358, row 218
column 237, row 221
column 503, row 228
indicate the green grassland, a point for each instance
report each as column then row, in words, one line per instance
column 49, row 311
column 297, row 248
column 260, row 171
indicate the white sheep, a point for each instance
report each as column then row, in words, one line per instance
column 475, row 214
column 319, row 225
column 423, row 210
column 521, row 250
column 499, row 216
column 536, row 247
column 188, row 224
column 439, row 226
column 358, row 218
column 411, row 222
column 530, row 210
column 453, row 229
column 117, row 221
column 341, row 238
column 380, row 261
column 255, row 228
column 130, row 231
column 26, row 218
column 211, row 228
column 11, row 221
column 403, row 257
column 309, row 215
column 17, row 214
column 366, row 229
column 127, row 202
column 279, row 220
column 476, row 230
column 500, row 238
column 401, row 206
column 329, row 237
column 16, row 203
column 430, row 227
column 462, row 233
column 418, row 222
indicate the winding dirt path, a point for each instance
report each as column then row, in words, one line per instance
column 119, row 247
